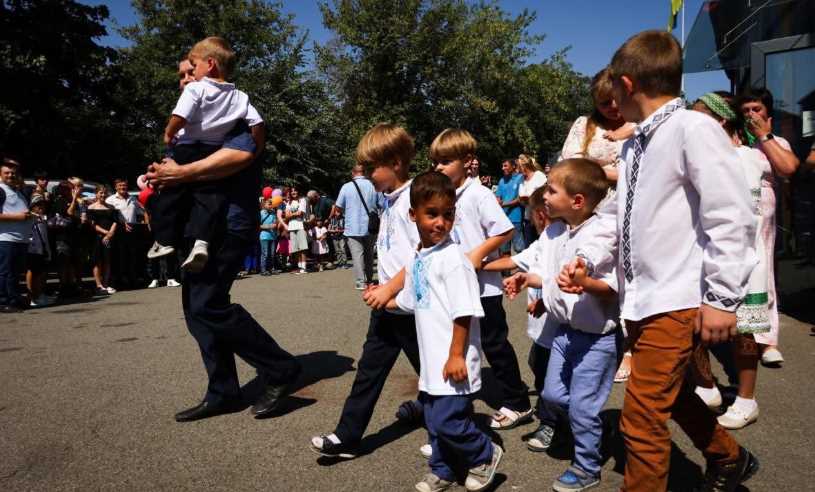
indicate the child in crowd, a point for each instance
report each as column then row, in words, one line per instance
column 336, row 226
column 584, row 351
column 39, row 253
column 268, row 237
column 538, row 326
column 680, row 228
column 295, row 215
column 207, row 111
column 481, row 227
column 442, row 291
column 319, row 243
column 385, row 152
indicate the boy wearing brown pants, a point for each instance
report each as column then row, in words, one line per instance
column 680, row 231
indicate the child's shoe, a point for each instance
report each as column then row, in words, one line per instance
column 482, row 476
column 198, row 257
column 740, row 414
column 153, row 284
column 505, row 419
column 410, row 412
column 711, row 396
column 426, row 450
column 541, row 439
column 432, row 483
column 575, row 479
column 330, row 445
column 173, row 283
column 157, row 250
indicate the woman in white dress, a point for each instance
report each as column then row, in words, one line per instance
column 533, row 179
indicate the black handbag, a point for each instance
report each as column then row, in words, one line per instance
column 373, row 217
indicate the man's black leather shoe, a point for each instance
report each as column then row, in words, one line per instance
column 727, row 477
column 205, row 410
column 272, row 395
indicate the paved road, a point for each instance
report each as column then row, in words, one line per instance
column 88, row 393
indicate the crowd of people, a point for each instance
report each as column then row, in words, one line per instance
column 649, row 243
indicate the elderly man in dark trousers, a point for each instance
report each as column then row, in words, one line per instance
column 224, row 329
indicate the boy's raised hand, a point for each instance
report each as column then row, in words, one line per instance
column 515, row 284
column 570, row 278
column 455, row 368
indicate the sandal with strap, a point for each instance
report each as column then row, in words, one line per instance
column 623, row 373
column 505, row 419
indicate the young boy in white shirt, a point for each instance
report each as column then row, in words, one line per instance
column 481, row 227
column 584, row 351
column 385, row 152
column 680, row 229
column 442, row 291
column 206, row 112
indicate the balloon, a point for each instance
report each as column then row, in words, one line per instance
column 144, row 195
column 267, row 192
column 141, row 182
column 277, row 192
column 277, row 201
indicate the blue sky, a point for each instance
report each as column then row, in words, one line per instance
column 593, row 29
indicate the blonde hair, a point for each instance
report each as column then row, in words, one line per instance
column 653, row 61
column 581, row 176
column 384, row 145
column 528, row 163
column 600, row 89
column 453, row 143
column 76, row 181
column 217, row 49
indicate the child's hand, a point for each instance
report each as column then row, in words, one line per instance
column 515, row 284
column 376, row 296
column 476, row 261
column 536, row 308
column 573, row 276
column 455, row 368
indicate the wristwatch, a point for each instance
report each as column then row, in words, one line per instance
column 766, row 137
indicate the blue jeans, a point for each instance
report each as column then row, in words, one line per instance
column 578, row 380
column 252, row 260
column 453, row 435
column 517, row 244
column 268, row 255
column 12, row 265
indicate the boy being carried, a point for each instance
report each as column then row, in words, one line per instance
column 441, row 289
column 583, row 359
column 206, row 112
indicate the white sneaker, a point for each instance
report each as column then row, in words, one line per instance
column 426, row 450
column 481, row 477
column 737, row 417
column 153, row 284
column 110, row 290
column 711, row 396
column 173, row 283
column 157, row 250
column 772, row 357
column 198, row 257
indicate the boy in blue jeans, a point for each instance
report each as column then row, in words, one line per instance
column 584, row 351
column 441, row 289
column 268, row 238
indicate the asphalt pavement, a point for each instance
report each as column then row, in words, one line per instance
column 88, row 393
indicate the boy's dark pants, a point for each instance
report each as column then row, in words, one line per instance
column 501, row 355
column 192, row 208
column 388, row 334
column 12, row 266
column 453, row 435
column 538, row 361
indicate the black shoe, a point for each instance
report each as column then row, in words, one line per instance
column 410, row 412
column 273, row 394
column 727, row 477
column 205, row 410
column 265, row 273
column 10, row 309
column 324, row 446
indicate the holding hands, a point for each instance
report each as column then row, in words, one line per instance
column 515, row 284
column 572, row 278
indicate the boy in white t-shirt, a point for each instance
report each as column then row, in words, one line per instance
column 206, row 112
column 442, row 291
column 481, row 227
column 584, row 352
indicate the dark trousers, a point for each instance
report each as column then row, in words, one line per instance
column 127, row 256
column 538, row 361
column 163, row 268
column 12, row 266
column 224, row 329
column 501, row 355
column 453, row 435
column 193, row 208
column 388, row 334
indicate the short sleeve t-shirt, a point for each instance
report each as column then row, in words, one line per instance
column 541, row 330
column 211, row 110
column 508, row 187
column 441, row 286
column 478, row 217
column 299, row 205
column 268, row 217
column 398, row 236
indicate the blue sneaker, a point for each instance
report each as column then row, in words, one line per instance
column 574, row 479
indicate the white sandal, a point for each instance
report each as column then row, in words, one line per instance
column 505, row 419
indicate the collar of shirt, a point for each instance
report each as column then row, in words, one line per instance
column 647, row 126
column 573, row 231
column 222, row 85
column 392, row 196
column 422, row 252
column 466, row 184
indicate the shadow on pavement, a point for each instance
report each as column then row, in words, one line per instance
column 372, row 442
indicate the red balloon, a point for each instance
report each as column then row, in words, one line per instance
column 267, row 192
column 144, row 195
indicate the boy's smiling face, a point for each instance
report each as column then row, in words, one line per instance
column 434, row 219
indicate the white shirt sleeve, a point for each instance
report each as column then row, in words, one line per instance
column 715, row 171
column 463, row 292
column 253, row 118
column 525, row 259
column 492, row 217
column 406, row 298
column 601, row 251
column 189, row 102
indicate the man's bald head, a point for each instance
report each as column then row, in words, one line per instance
column 184, row 73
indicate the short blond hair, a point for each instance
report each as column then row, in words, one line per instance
column 219, row 50
column 653, row 60
column 453, row 143
column 581, row 176
column 384, row 145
